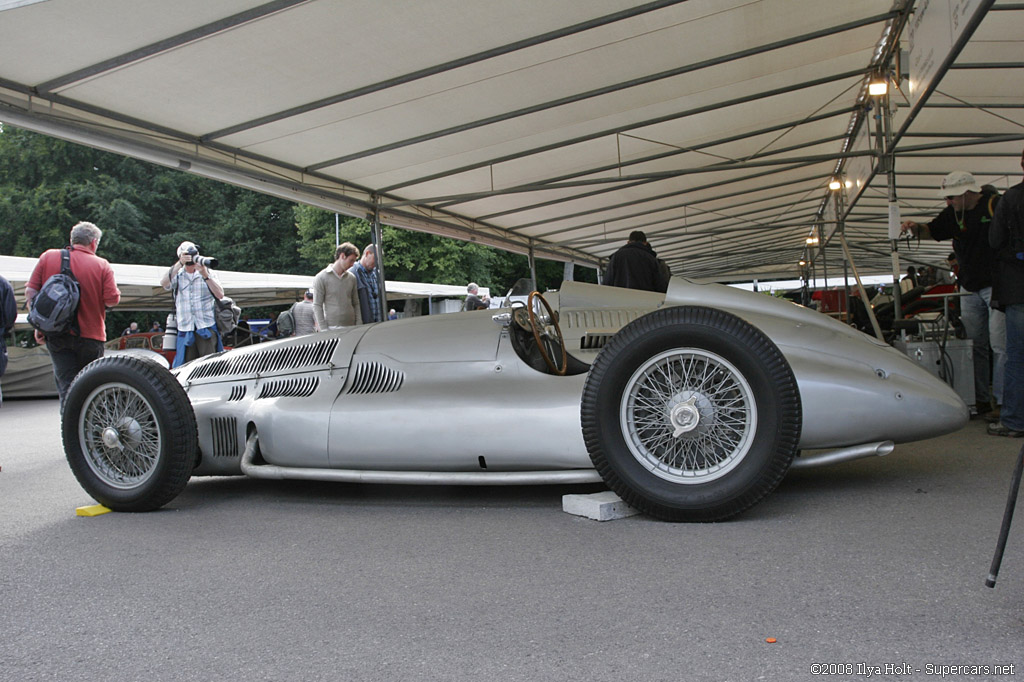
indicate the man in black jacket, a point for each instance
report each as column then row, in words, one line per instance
column 966, row 220
column 8, row 313
column 1007, row 237
column 634, row 266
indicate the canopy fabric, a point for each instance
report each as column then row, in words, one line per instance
column 552, row 128
column 141, row 290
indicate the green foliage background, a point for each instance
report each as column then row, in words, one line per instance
column 145, row 211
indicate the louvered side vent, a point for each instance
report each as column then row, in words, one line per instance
column 594, row 341
column 603, row 318
column 300, row 387
column 237, row 393
column 373, row 377
column 225, row 436
column 300, row 356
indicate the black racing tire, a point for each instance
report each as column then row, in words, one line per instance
column 129, row 433
column 691, row 414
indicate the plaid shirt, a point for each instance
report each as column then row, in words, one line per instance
column 193, row 301
column 367, row 282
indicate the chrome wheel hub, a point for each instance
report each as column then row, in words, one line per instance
column 685, row 417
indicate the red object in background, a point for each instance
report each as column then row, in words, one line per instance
column 833, row 301
column 153, row 341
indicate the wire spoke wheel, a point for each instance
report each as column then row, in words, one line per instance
column 691, row 414
column 120, row 435
column 129, row 433
column 688, row 416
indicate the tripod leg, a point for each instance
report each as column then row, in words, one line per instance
column 1011, row 502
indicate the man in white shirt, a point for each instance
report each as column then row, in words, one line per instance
column 196, row 289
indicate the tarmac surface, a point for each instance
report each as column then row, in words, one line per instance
column 879, row 562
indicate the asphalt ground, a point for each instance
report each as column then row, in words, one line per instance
column 879, row 562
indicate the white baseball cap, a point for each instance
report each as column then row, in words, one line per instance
column 958, row 182
column 183, row 247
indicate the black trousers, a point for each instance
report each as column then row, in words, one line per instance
column 70, row 354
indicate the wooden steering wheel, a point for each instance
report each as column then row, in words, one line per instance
column 547, row 334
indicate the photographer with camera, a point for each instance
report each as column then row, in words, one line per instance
column 196, row 289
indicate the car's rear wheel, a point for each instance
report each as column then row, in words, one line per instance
column 691, row 414
column 129, row 433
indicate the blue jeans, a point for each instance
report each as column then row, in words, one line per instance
column 1013, row 387
column 985, row 327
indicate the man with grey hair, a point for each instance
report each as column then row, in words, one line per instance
column 473, row 299
column 76, row 348
column 368, row 289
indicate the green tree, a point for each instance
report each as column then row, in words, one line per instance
column 145, row 211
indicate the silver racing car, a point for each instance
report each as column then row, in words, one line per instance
column 691, row 405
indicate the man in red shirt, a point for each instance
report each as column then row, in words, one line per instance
column 98, row 291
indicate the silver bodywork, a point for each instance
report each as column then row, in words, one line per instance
column 449, row 393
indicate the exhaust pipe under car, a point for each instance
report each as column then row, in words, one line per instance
column 849, row 454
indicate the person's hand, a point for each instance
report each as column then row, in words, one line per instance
column 185, row 258
column 202, row 269
column 40, row 337
column 909, row 226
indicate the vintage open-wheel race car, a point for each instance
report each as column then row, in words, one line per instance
column 690, row 405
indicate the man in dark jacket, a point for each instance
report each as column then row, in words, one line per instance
column 1007, row 237
column 634, row 266
column 966, row 220
column 8, row 313
column 368, row 288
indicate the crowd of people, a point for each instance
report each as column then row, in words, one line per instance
column 345, row 293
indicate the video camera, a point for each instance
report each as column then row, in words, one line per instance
column 205, row 261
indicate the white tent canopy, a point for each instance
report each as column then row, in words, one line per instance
column 141, row 290
column 551, row 128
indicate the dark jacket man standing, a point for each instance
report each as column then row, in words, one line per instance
column 8, row 313
column 1006, row 236
column 966, row 221
column 634, row 266
column 369, row 290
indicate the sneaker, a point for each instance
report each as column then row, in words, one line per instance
column 993, row 416
column 1001, row 429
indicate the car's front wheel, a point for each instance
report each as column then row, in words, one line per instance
column 691, row 414
column 129, row 433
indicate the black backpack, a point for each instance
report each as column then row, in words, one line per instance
column 55, row 307
column 286, row 323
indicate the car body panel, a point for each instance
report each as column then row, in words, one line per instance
column 439, row 393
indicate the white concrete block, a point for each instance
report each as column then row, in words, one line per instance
column 605, row 506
